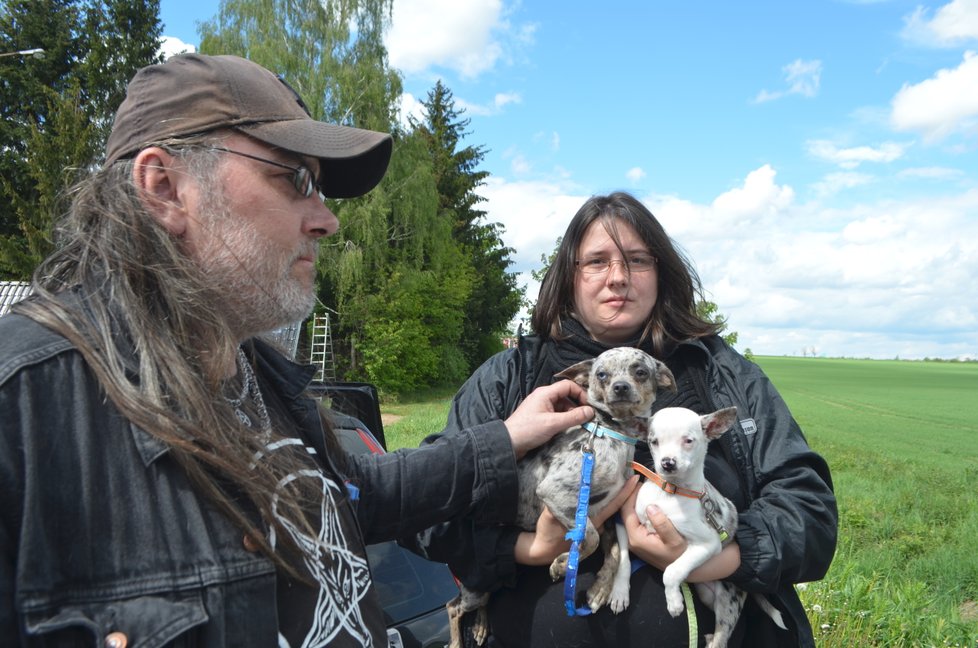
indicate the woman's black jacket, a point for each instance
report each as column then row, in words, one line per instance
column 787, row 533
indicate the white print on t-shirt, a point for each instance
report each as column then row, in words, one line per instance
column 343, row 576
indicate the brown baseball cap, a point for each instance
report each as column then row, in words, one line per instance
column 195, row 93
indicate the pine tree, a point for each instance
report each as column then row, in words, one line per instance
column 495, row 298
column 56, row 111
column 393, row 264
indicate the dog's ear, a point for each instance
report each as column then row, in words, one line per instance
column 579, row 372
column 718, row 422
column 663, row 377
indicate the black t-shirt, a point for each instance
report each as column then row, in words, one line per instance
column 341, row 608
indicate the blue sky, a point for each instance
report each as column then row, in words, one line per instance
column 816, row 160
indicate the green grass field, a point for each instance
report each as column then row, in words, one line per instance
column 902, row 441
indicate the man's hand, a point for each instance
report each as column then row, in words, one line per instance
column 545, row 412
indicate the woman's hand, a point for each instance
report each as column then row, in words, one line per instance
column 658, row 549
column 543, row 545
column 661, row 548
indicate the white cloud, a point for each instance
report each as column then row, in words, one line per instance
column 878, row 276
column 635, row 174
column 520, row 165
column 953, row 24
column 503, row 99
column 932, row 173
column 801, row 77
column 850, row 158
column 766, row 95
column 833, row 183
column 942, row 105
column 500, row 101
column 756, row 199
column 409, row 106
column 171, row 45
column 551, row 140
column 533, row 214
column 468, row 37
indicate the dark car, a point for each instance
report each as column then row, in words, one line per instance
column 413, row 591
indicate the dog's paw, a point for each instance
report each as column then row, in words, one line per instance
column 618, row 602
column 558, row 568
column 454, row 608
column 597, row 596
column 674, row 603
column 480, row 627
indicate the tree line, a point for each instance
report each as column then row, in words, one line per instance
column 417, row 282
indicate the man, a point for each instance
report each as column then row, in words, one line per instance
column 163, row 480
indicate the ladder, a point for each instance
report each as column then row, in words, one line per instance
column 321, row 354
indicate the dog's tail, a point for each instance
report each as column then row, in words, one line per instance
column 770, row 610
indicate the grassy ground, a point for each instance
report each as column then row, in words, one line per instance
column 902, row 441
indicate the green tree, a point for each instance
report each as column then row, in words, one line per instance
column 496, row 297
column 710, row 312
column 52, row 155
column 56, row 110
column 393, row 265
column 26, row 89
column 122, row 36
column 331, row 52
column 412, row 336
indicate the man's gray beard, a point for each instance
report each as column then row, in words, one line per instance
column 255, row 296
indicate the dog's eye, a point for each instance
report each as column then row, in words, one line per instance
column 641, row 374
column 688, row 440
column 653, row 442
column 601, row 375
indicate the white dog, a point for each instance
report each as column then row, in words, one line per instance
column 678, row 440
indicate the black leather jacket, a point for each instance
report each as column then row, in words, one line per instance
column 787, row 533
column 100, row 531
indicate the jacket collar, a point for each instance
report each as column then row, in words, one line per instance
column 287, row 378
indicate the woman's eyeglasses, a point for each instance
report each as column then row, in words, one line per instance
column 302, row 178
column 601, row 265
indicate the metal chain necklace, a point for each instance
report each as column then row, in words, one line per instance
column 249, row 390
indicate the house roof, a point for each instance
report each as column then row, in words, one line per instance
column 12, row 292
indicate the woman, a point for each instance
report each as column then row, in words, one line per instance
column 618, row 280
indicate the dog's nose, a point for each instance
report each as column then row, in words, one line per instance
column 621, row 388
column 668, row 464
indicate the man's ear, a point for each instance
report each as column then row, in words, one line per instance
column 162, row 188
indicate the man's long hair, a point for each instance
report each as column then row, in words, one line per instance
column 143, row 317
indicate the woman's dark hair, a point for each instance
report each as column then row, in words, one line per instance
column 674, row 316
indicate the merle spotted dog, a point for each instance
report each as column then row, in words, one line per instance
column 621, row 386
column 678, row 439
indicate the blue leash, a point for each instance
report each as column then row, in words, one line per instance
column 576, row 535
